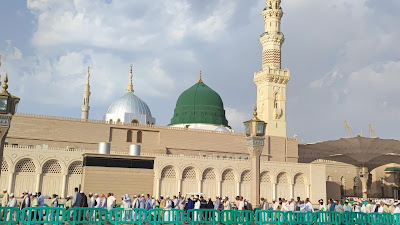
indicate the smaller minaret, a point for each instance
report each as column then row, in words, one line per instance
column 86, row 95
column 130, row 85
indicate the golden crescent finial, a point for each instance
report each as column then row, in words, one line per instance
column 88, row 69
column 131, row 67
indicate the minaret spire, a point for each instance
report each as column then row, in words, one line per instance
column 271, row 80
column 130, row 85
column 86, row 94
column 200, row 80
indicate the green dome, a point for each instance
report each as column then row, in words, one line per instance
column 199, row 104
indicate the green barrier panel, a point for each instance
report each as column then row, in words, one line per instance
column 299, row 218
column 9, row 215
column 349, row 218
column 237, row 217
column 270, row 217
column 200, row 216
column 379, row 218
column 396, row 219
column 327, row 218
column 127, row 216
column 168, row 216
column 42, row 215
column 256, row 209
column 61, row 205
column 78, row 215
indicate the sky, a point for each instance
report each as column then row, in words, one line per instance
column 343, row 57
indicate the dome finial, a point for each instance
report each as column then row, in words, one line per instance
column 130, row 86
column 200, row 80
column 88, row 75
column 5, row 85
column 255, row 112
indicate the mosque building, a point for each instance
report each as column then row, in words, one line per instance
column 196, row 152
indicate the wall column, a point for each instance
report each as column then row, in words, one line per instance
column 64, row 186
column 199, row 186
column 308, row 186
column 10, row 182
column 273, row 190
column 364, row 180
column 291, row 190
column 38, row 182
column 219, row 187
column 237, row 188
column 179, row 185
column 157, row 188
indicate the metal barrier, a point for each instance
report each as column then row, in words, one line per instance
column 127, row 216
column 42, row 215
column 86, row 216
column 293, row 218
column 396, row 219
column 350, row 218
column 327, row 218
column 237, row 217
column 9, row 215
column 203, row 216
column 379, row 218
column 270, row 217
column 169, row 216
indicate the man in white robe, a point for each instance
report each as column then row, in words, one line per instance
column 92, row 202
column 126, row 203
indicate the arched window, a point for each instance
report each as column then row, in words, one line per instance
column 139, row 137
column 148, row 122
column 129, row 136
column 118, row 121
column 135, row 122
column 111, row 121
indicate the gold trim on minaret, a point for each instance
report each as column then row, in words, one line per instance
column 130, row 85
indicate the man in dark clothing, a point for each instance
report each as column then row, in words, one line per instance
column 83, row 198
column 210, row 205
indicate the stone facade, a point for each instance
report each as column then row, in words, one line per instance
column 44, row 169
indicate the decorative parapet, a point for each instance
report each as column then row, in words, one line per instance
column 272, row 75
column 79, row 120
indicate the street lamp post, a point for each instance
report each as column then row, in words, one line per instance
column 255, row 132
column 8, row 106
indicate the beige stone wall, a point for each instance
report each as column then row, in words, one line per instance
column 119, row 181
column 56, row 132
column 211, row 175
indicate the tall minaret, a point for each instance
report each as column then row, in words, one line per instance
column 271, row 80
column 86, row 95
column 130, row 85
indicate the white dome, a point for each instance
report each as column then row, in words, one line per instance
column 222, row 129
column 128, row 108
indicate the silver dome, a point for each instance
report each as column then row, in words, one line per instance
column 129, row 103
column 222, row 129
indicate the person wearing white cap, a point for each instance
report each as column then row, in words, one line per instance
column 12, row 203
column 227, row 203
column 97, row 200
column 35, row 202
column 168, row 206
column 126, row 203
column 275, row 204
column 153, row 202
column 26, row 202
column 322, row 206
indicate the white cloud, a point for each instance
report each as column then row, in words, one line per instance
column 236, row 118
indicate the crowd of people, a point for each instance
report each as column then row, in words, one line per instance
column 147, row 202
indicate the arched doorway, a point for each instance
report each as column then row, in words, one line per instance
column 25, row 171
column 300, row 186
column 51, row 178
column 209, row 184
column 74, row 177
column 283, row 187
column 4, row 175
column 266, row 185
column 228, row 184
column 245, row 184
column 168, row 181
column 189, row 182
